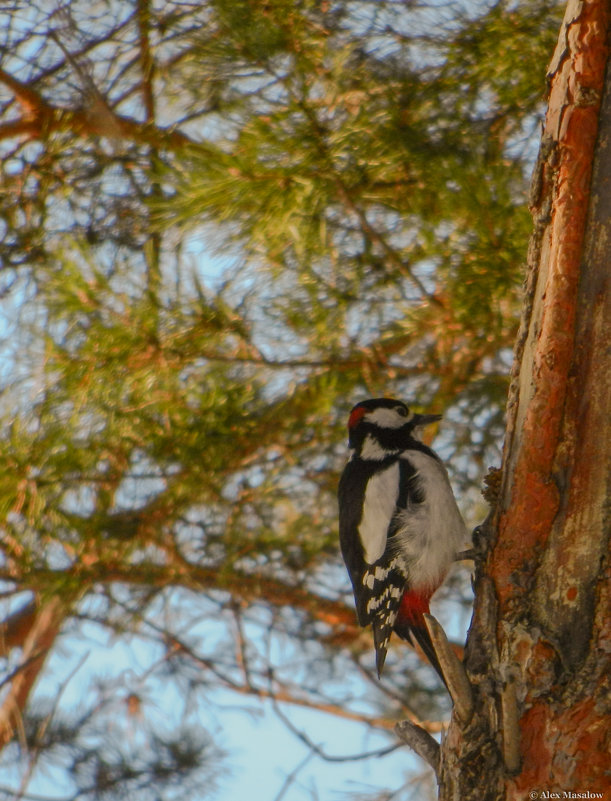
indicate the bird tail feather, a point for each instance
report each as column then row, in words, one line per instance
column 381, row 635
column 410, row 626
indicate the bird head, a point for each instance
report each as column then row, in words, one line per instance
column 382, row 426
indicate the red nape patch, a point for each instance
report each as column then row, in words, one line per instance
column 413, row 606
column 356, row 415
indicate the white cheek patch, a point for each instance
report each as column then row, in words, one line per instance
column 379, row 507
column 387, row 418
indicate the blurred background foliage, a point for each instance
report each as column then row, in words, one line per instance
column 224, row 222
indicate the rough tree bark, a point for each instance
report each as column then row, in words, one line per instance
column 538, row 652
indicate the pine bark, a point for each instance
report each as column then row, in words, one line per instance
column 538, row 652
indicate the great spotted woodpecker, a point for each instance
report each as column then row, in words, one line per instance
column 399, row 526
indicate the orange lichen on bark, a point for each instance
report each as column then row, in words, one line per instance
column 535, row 751
column 567, row 751
column 531, row 498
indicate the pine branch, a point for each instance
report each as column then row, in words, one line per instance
column 41, row 118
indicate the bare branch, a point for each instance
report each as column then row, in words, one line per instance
column 316, row 749
column 453, row 671
column 16, row 627
column 146, row 58
column 420, row 741
column 286, row 784
column 38, row 642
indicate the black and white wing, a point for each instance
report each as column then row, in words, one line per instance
column 371, row 494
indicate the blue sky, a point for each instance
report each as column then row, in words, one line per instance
column 261, row 753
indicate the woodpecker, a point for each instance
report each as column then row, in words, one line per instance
column 399, row 525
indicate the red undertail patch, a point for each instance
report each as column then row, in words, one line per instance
column 413, row 606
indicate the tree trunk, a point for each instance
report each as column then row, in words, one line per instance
column 538, row 649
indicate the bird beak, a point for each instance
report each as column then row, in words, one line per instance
column 425, row 419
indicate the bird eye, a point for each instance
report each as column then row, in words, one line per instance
column 401, row 410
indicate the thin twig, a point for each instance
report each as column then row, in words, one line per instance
column 34, row 755
column 292, row 776
column 316, row 749
column 431, row 726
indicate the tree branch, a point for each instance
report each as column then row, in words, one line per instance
column 15, row 628
column 420, row 741
column 38, row 642
column 316, row 749
column 146, row 58
column 40, row 118
column 241, row 586
column 453, row 671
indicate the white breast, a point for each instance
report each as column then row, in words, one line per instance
column 430, row 533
